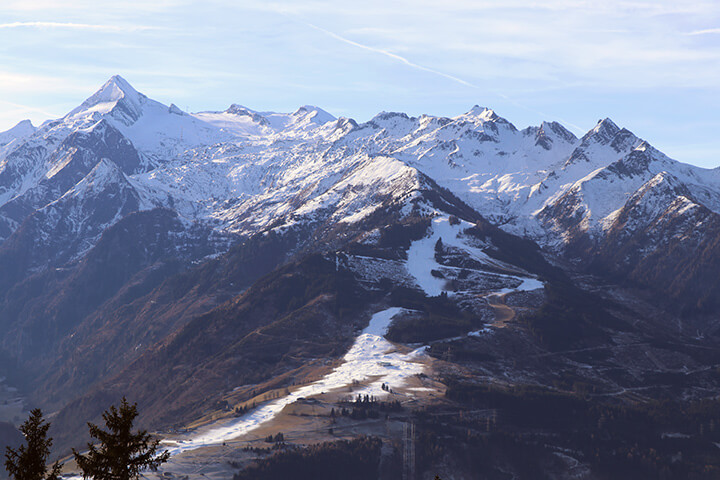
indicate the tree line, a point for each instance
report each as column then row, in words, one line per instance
column 118, row 454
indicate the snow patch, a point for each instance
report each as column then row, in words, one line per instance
column 380, row 322
column 527, row 285
column 421, row 258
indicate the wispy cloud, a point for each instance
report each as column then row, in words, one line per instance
column 707, row 31
column 28, row 109
column 79, row 26
column 93, row 6
column 12, row 83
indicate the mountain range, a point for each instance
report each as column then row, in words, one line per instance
column 239, row 250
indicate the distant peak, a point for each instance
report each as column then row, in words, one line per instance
column 22, row 129
column 115, row 89
column 603, row 132
column 485, row 114
column 316, row 114
column 306, row 109
column 558, row 130
column 242, row 111
column 309, row 109
column 114, row 92
column 482, row 112
column 606, row 125
column 383, row 117
column 236, row 109
column 120, row 82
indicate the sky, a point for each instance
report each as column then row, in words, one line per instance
column 651, row 66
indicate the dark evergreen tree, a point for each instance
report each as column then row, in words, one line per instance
column 121, row 454
column 28, row 461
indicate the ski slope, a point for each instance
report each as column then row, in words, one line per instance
column 371, row 360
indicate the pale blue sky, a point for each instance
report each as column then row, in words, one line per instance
column 652, row 66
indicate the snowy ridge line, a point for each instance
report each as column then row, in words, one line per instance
column 240, row 170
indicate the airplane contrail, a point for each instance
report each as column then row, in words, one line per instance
column 414, row 65
column 391, row 55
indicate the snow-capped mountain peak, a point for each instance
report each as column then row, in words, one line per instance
column 159, row 132
column 315, row 114
column 23, row 129
column 483, row 113
column 237, row 109
column 243, row 111
column 549, row 133
column 603, row 132
column 115, row 89
column 115, row 97
column 558, row 130
column 488, row 120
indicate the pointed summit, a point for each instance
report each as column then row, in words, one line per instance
column 487, row 119
column 116, row 88
column 119, row 84
column 115, row 95
column 603, row 132
column 606, row 132
column 23, row 126
column 483, row 113
column 23, row 129
column 556, row 129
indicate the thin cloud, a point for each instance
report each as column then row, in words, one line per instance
column 79, row 26
column 707, row 31
column 31, row 109
column 17, row 86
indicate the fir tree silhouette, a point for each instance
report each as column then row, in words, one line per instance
column 28, row 461
column 121, row 454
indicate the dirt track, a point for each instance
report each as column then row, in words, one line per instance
column 503, row 313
